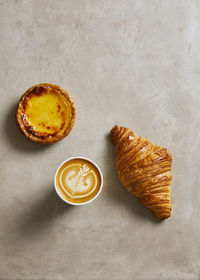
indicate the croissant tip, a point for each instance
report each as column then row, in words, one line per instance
column 114, row 132
column 163, row 216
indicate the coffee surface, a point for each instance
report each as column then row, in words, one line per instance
column 78, row 180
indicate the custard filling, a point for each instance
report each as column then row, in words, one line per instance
column 48, row 112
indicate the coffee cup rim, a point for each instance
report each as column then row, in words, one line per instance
column 101, row 176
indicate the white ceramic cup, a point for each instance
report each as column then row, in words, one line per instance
column 100, row 173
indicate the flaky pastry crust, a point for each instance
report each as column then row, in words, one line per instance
column 29, row 131
column 144, row 169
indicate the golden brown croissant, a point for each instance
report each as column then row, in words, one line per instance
column 144, row 169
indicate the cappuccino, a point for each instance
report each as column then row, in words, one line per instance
column 78, row 181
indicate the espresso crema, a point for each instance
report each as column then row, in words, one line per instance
column 78, row 180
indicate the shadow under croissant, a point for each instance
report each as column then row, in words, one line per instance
column 116, row 191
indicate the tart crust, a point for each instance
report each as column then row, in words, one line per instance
column 45, row 113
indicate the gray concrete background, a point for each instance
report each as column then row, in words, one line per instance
column 132, row 63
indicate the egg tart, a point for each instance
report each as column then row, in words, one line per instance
column 46, row 113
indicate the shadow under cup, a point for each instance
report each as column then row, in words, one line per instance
column 78, row 181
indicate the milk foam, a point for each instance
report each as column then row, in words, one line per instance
column 78, row 180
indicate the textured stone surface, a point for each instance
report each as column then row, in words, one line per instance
column 132, row 63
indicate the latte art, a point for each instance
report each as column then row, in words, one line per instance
column 78, row 180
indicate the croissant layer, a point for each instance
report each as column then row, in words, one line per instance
column 144, row 169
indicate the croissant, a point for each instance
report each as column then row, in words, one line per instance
column 144, row 169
